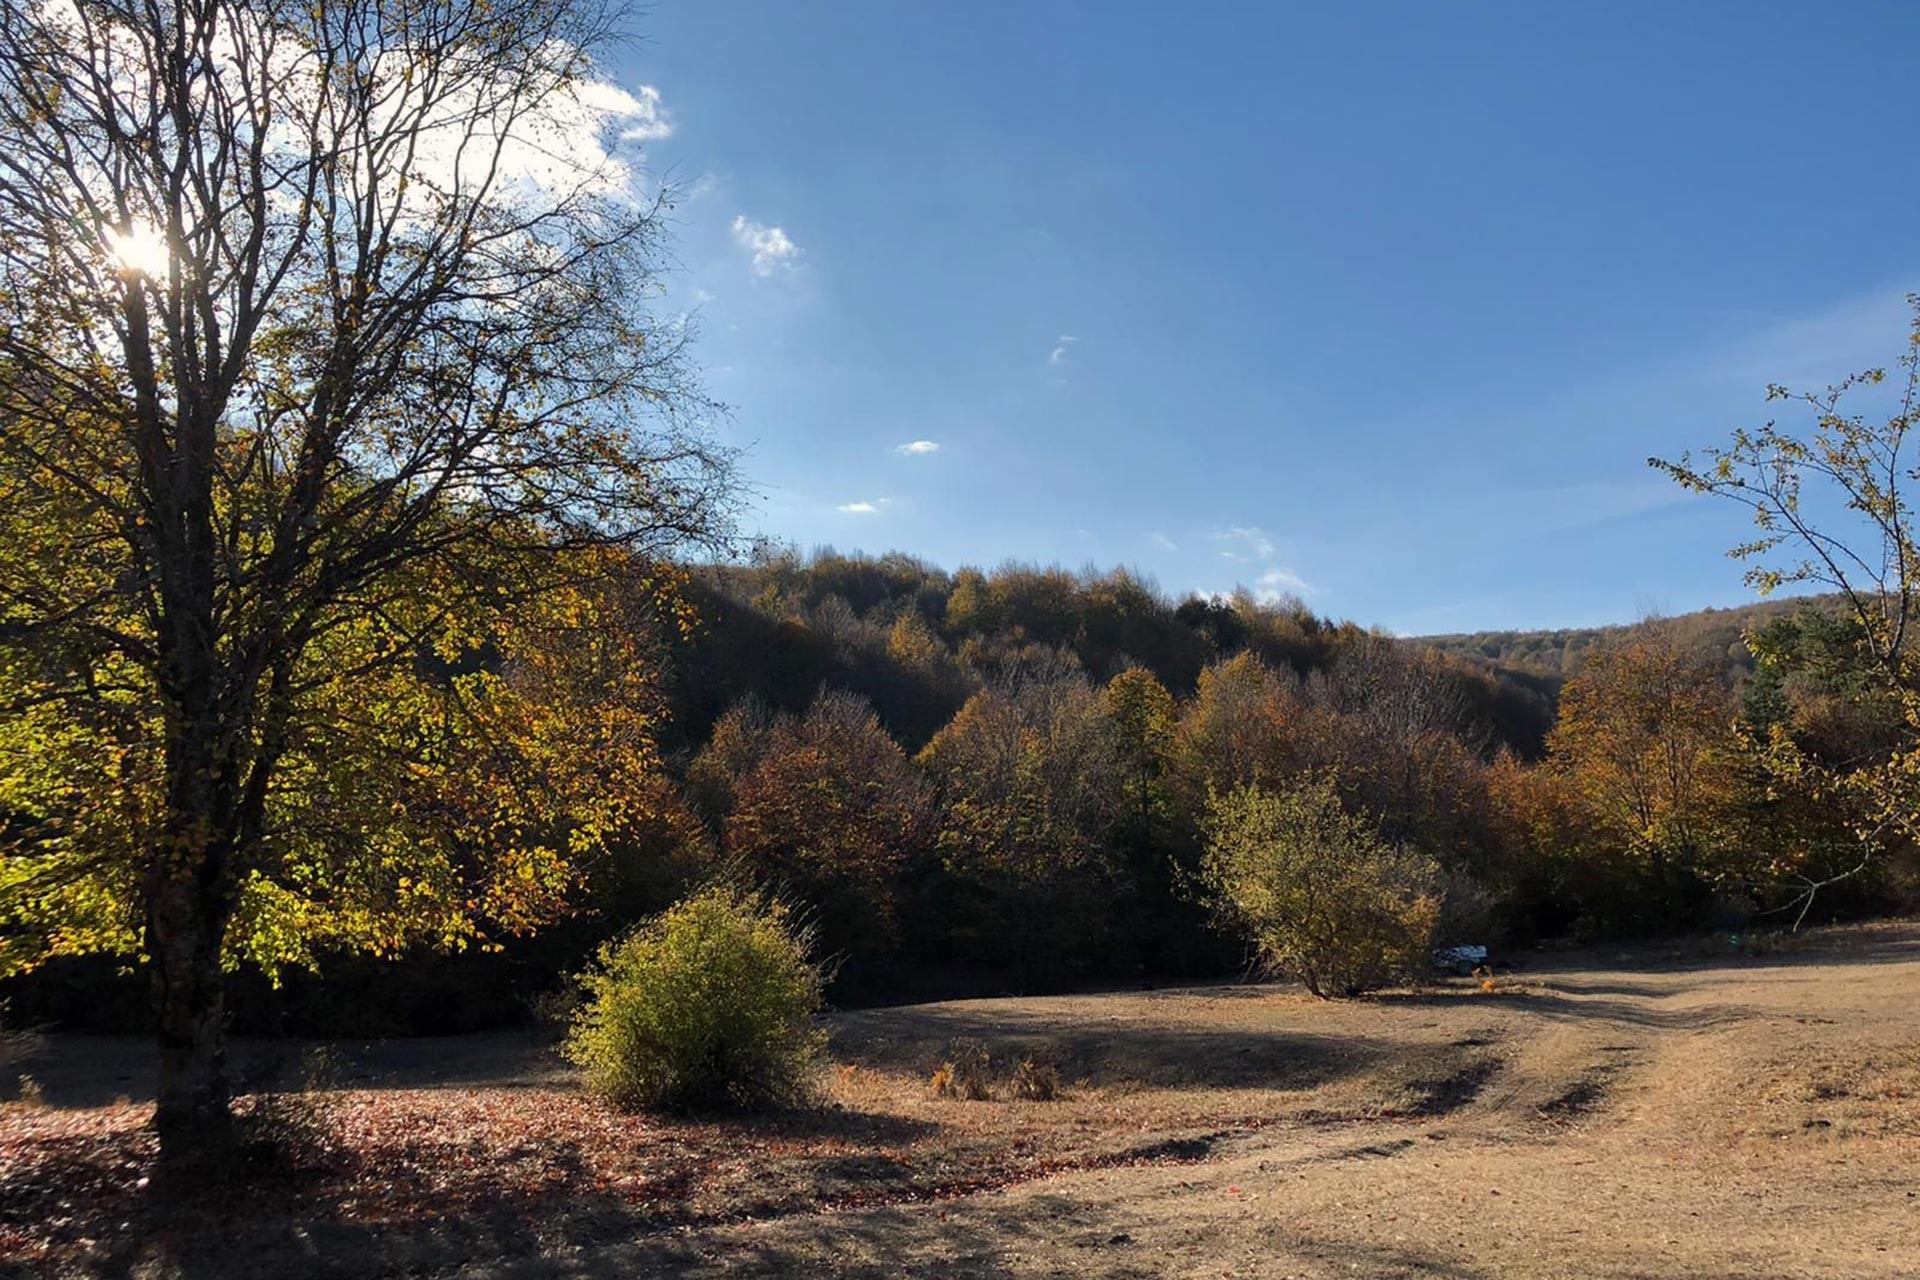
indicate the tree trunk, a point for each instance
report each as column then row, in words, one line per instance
column 183, row 936
column 189, row 902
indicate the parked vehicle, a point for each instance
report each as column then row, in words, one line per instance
column 1461, row 960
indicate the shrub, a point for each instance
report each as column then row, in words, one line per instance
column 709, row 1004
column 1036, row 1080
column 1323, row 897
column 965, row 1074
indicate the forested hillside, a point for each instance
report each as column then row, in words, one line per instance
column 916, row 641
column 1559, row 651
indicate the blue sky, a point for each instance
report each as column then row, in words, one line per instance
column 1385, row 304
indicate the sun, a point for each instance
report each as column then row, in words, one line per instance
column 141, row 249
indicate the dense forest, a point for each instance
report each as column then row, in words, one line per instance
column 916, row 641
column 986, row 781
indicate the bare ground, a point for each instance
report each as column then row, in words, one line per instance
column 1634, row 1115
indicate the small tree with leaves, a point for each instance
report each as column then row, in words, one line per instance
column 1323, row 898
column 1832, row 501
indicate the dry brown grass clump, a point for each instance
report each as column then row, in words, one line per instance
column 1036, row 1080
column 965, row 1073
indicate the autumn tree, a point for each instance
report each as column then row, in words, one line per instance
column 1321, row 895
column 1832, row 501
column 1644, row 741
column 1142, row 712
column 831, row 812
column 1241, row 726
column 738, row 741
column 1395, row 723
column 332, row 417
column 1029, row 787
column 970, row 604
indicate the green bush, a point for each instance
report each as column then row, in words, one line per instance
column 710, row 1004
column 1324, row 898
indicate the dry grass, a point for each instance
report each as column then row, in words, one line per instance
column 1676, row 1085
column 967, row 1074
column 1036, row 1080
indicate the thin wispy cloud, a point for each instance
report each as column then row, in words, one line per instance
column 1058, row 356
column 1162, row 541
column 863, row 508
column 771, row 247
column 1809, row 351
column 915, row 448
column 1577, row 506
column 1243, row 543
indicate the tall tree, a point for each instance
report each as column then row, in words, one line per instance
column 832, row 812
column 324, row 348
column 1645, row 741
column 1142, row 713
column 1030, row 787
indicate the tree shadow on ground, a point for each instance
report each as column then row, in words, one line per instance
column 870, row 1246
column 77, row 1070
column 1131, row 1051
column 978, row 1241
column 1883, row 942
column 1381, row 1260
column 1048, row 1234
column 300, row 1203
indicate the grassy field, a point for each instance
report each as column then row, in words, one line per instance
column 1648, row 1113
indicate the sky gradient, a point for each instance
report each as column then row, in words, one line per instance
column 1383, row 304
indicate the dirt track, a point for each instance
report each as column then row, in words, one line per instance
column 1619, row 1116
column 1760, row 1118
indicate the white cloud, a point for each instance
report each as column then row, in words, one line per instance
column 1277, row 584
column 1243, row 542
column 1162, row 541
column 1058, row 356
column 1808, row 352
column 1576, row 506
column 647, row 119
column 513, row 135
column 562, row 145
column 771, row 247
column 913, row 447
column 864, row 508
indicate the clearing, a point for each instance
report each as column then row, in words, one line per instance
column 1636, row 1114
